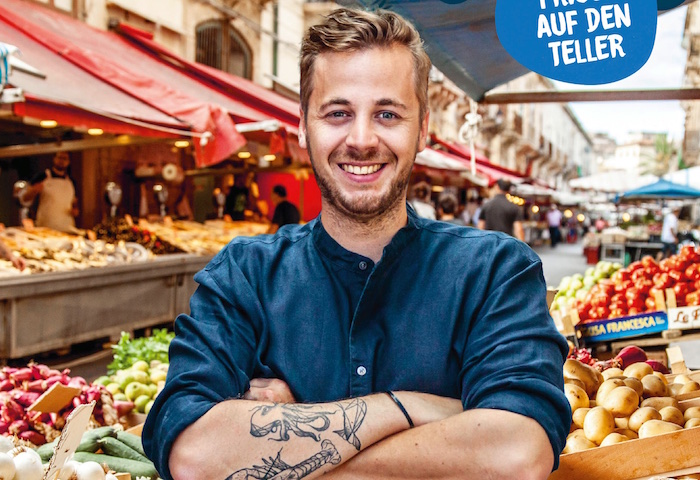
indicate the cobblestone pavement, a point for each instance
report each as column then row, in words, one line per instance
column 560, row 261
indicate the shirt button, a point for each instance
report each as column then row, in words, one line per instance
column 363, row 265
column 361, row 371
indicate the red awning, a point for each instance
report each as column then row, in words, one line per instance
column 248, row 100
column 483, row 165
column 108, row 60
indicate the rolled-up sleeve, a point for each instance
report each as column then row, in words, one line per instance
column 515, row 353
column 211, row 356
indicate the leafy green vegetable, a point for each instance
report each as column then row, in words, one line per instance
column 128, row 351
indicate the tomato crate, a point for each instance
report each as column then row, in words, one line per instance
column 647, row 323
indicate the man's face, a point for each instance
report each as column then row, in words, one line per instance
column 363, row 129
column 61, row 161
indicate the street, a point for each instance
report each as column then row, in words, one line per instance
column 562, row 260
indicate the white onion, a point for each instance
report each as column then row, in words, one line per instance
column 28, row 466
column 6, row 444
column 111, row 476
column 90, row 471
column 68, row 470
column 7, row 467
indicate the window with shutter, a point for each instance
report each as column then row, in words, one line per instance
column 220, row 46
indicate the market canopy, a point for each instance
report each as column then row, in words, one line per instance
column 662, row 189
column 90, row 71
column 616, row 181
column 461, row 40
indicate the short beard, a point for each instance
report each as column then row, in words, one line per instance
column 371, row 207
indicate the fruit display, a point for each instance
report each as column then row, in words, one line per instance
column 116, row 230
column 21, row 387
column 127, row 351
column 575, row 287
column 625, row 402
column 633, row 290
column 137, row 386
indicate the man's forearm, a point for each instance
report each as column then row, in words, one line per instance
column 490, row 444
column 241, row 439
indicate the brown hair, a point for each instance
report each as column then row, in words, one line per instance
column 347, row 30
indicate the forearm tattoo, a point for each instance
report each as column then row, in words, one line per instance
column 277, row 421
column 276, row 469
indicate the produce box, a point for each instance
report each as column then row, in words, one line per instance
column 623, row 327
column 671, row 454
column 681, row 318
column 613, row 238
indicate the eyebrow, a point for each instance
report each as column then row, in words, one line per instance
column 383, row 102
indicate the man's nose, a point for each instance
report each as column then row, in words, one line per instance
column 362, row 135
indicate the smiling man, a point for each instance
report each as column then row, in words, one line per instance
column 368, row 343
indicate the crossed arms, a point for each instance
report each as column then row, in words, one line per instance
column 359, row 438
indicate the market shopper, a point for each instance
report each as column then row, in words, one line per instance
column 447, row 206
column 500, row 214
column 58, row 204
column 421, row 202
column 286, row 213
column 554, row 222
column 369, row 320
column 669, row 233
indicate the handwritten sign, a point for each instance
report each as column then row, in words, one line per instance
column 588, row 42
column 623, row 327
column 684, row 318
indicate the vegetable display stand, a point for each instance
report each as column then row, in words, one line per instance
column 670, row 454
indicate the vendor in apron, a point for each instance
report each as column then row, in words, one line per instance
column 58, row 205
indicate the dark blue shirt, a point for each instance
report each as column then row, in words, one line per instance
column 448, row 310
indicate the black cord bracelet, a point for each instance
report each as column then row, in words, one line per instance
column 401, row 407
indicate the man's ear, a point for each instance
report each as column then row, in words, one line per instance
column 424, row 131
column 302, row 128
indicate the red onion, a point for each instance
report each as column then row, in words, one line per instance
column 631, row 354
column 658, row 366
column 33, row 436
column 6, row 385
column 35, row 386
column 4, row 427
column 21, row 375
column 78, row 382
column 25, row 399
column 123, row 407
column 18, row 426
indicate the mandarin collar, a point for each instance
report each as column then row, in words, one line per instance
column 342, row 257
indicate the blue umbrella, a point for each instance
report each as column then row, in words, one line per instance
column 661, row 189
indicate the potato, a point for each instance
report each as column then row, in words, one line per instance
column 577, row 443
column 598, row 424
column 654, row 387
column 627, row 433
column 587, row 374
column 638, row 370
column 576, row 396
column 635, row 384
column 689, row 387
column 642, row 415
column 661, row 376
column 692, row 412
column 575, row 381
column 673, row 415
column 674, row 389
column 612, row 373
column 657, row 427
column 580, row 413
column 622, row 422
column 612, row 439
column 660, row 402
column 606, row 387
column 577, row 432
column 692, row 423
column 592, row 403
column 621, row 401
column 682, row 379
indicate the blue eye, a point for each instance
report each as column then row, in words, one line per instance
column 387, row 115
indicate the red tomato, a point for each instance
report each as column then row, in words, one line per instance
column 681, row 290
column 693, row 272
column 662, row 280
column 648, row 261
column 631, row 294
column 687, row 252
column 633, row 311
column 643, row 285
column 693, row 298
column 639, row 273
column 617, row 298
column 620, row 276
column 677, row 275
column 600, row 300
column 650, row 303
column 616, row 313
column 666, row 264
column 635, row 266
column 624, row 286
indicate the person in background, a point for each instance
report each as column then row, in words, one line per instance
column 471, row 212
column 316, row 351
column 502, row 215
column 447, row 208
column 286, row 212
column 237, row 199
column 6, row 253
column 58, row 204
column 421, row 202
column 554, row 223
column 669, row 233
column 600, row 224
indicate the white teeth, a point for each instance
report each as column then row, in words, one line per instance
column 364, row 170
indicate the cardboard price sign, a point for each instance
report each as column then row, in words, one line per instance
column 76, row 424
